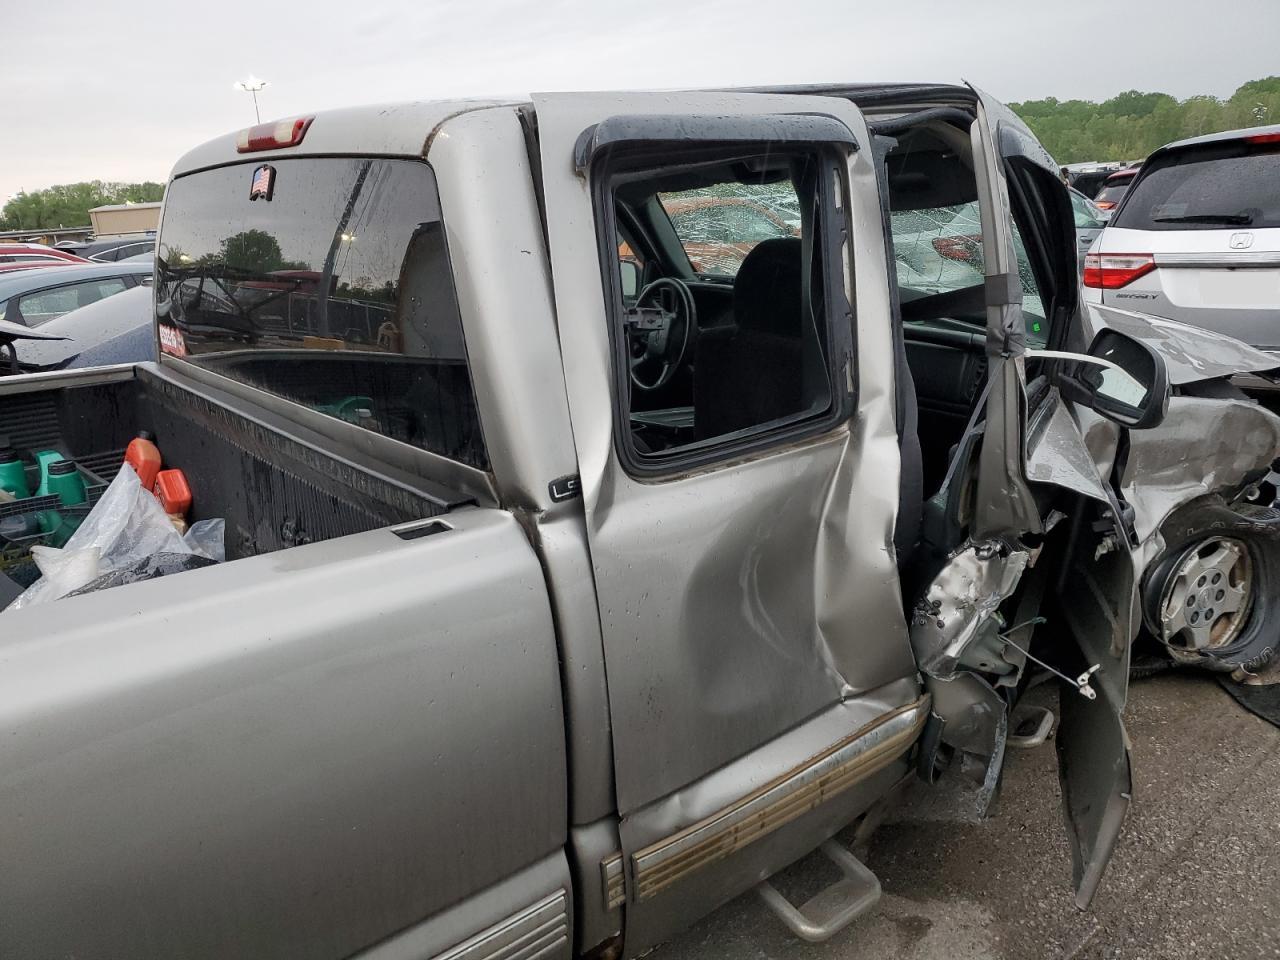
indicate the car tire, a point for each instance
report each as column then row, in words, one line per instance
column 1216, row 556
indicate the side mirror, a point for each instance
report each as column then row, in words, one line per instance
column 1121, row 378
column 630, row 278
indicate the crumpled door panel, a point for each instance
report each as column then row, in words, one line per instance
column 1094, row 770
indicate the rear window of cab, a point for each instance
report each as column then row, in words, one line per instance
column 327, row 282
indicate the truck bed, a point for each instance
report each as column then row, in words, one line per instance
column 275, row 484
column 297, row 753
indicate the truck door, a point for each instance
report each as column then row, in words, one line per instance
column 734, row 422
column 1033, row 227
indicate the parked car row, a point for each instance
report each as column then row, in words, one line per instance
column 75, row 300
column 1114, row 188
column 112, row 248
column 29, row 256
column 1093, row 179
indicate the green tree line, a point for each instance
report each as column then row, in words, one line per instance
column 68, row 204
column 1132, row 124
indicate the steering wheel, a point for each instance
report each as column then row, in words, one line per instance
column 658, row 328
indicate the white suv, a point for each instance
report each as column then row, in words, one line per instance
column 1197, row 237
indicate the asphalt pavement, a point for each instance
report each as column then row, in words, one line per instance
column 1196, row 873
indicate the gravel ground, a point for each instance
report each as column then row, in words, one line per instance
column 1196, row 873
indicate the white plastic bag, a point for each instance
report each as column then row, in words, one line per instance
column 65, row 570
column 205, row 538
column 126, row 525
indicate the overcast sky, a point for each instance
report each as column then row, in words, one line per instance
column 117, row 91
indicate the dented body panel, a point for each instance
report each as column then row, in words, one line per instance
column 655, row 691
column 1191, row 354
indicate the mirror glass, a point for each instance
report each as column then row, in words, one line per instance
column 630, row 278
column 1126, row 386
column 1121, row 386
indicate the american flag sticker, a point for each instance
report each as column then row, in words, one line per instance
column 264, row 182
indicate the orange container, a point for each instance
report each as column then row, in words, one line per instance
column 173, row 492
column 144, row 456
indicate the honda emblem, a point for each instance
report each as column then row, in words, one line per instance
column 1241, row 241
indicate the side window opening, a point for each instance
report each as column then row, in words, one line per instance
column 939, row 265
column 45, row 305
column 936, row 223
column 761, row 234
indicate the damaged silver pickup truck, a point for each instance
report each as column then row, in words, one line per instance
column 623, row 494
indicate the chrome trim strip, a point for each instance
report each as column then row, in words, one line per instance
column 535, row 933
column 803, row 788
column 1234, row 259
column 615, row 887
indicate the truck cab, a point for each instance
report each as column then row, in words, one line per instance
column 624, row 493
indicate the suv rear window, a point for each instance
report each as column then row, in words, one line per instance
column 332, row 289
column 1112, row 192
column 1215, row 187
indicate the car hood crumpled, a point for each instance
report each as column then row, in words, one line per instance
column 1190, row 353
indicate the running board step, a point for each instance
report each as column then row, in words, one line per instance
column 828, row 912
column 1034, row 725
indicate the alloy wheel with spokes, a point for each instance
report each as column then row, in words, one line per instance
column 1208, row 597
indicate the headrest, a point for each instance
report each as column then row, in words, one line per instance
column 767, row 289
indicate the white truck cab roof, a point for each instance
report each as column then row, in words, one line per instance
column 389, row 129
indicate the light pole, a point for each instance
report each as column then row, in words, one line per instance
column 252, row 85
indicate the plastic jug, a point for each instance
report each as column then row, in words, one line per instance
column 144, row 456
column 45, row 458
column 173, row 492
column 13, row 476
column 63, row 479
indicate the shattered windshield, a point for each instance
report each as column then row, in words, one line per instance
column 938, row 250
column 719, row 225
column 325, row 281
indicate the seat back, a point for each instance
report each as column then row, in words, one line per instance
column 754, row 375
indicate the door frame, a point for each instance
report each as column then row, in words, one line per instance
column 856, row 688
column 1097, row 591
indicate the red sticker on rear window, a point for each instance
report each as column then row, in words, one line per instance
column 171, row 341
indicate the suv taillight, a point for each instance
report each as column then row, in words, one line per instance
column 1110, row 271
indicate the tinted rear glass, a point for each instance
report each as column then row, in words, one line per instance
column 1209, row 188
column 332, row 290
column 1088, row 183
